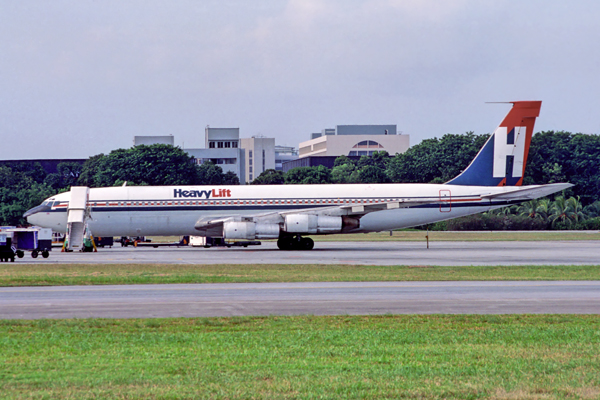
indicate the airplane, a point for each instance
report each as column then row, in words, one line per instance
column 289, row 213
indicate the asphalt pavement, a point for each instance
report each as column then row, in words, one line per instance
column 584, row 252
column 313, row 298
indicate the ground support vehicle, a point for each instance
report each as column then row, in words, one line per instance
column 36, row 240
column 207, row 241
column 7, row 251
column 184, row 241
column 105, row 241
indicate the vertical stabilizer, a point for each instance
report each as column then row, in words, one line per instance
column 502, row 160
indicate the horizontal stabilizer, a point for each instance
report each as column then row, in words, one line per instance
column 528, row 192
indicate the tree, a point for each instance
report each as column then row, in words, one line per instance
column 269, row 177
column 566, row 157
column 341, row 160
column 308, row 175
column 210, row 174
column 592, row 210
column 372, row 174
column 544, row 209
column 379, row 159
column 435, row 159
column 230, row 178
column 90, row 169
column 576, row 209
column 345, row 173
column 28, row 171
column 529, row 209
column 568, row 211
column 157, row 164
column 21, row 188
column 67, row 175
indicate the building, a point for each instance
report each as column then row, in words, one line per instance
column 223, row 149
column 284, row 154
column 313, row 161
column 259, row 155
column 148, row 140
column 355, row 140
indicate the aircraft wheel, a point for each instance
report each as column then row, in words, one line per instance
column 282, row 244
column 45, row 254
column 34, row 254
column 307, row 244
column 285, row 243
column 20, row 253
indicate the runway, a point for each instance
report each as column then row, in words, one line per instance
column 582, row 252
column 330, row 298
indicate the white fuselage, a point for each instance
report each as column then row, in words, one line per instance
column 174, row 210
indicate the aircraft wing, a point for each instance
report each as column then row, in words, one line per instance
column 362, row 209
column 213, row 226
column 528, row 192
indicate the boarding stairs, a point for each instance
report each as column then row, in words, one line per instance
column 77, row 217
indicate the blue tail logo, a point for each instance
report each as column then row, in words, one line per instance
column 502, row 160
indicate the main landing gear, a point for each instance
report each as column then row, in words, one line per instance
column 295, row 243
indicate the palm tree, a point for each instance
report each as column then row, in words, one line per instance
column 559, row 212
column 503, row 211
column 592, row 210
column 543, row 209
column 529, row 208
column 575, row 207
column 568, row 211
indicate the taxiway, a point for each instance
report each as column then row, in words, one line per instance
column 315, row 298
column 582, row 252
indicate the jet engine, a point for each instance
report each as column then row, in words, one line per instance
column 309, row 223
column 250, row 230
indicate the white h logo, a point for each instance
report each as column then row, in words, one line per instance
column 506, row 145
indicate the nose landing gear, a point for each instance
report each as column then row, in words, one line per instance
column 295, row 243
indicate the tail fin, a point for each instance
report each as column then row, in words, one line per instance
column 502, row 160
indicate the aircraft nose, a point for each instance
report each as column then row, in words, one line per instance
column 37, row 209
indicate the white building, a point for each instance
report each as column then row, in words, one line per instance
column 259, row 155
column 223, row 149
column 355, row 140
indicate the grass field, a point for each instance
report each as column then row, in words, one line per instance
column 14, row 274
column 425, row 357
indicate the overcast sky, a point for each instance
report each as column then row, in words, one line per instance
column 82, row 77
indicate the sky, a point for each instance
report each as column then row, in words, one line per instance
column 83, row 77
